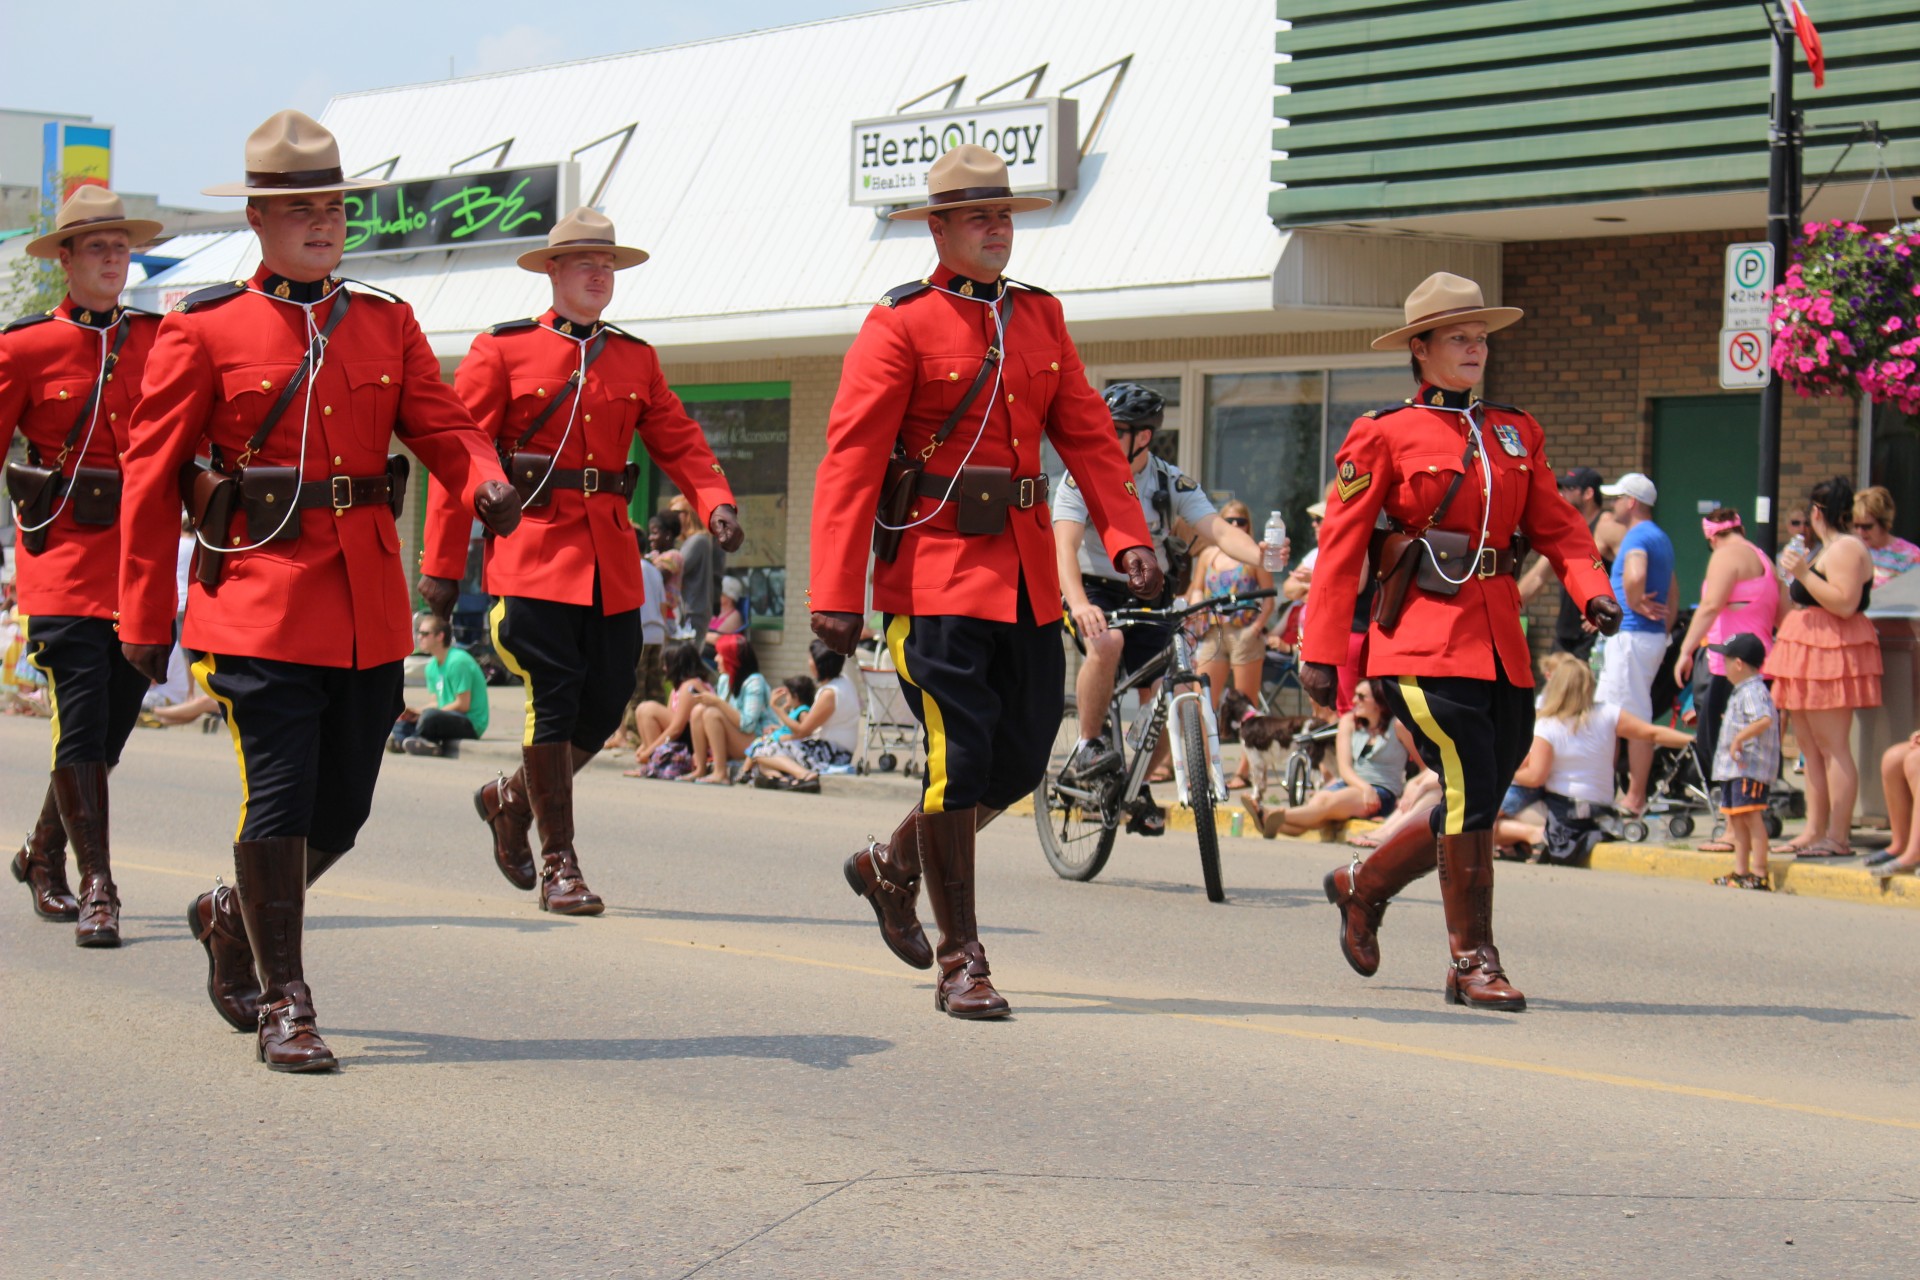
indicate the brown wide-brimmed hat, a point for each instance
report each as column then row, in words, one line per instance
column 292, row 154
column 1444, row 298
column 92, row 208
column 584, row 230
column 967, row 176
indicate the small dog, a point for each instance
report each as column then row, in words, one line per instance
column 1266, row 738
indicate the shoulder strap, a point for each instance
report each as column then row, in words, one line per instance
column 93, row 396
column 514, row 326
column 1459, row 478
column 212, row 293
column 901, row 292
column 594, row 349
column 38, row 317
column 372, row 288
column 300, row 372
column 980, row 379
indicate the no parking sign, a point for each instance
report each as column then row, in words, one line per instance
column 1743, row 357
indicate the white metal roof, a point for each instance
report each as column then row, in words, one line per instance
column 736, row 178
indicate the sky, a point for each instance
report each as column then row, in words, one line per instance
column 183, row 84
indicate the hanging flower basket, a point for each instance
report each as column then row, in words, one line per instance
column 1848, row 317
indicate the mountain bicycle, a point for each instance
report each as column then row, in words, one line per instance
column 1079, row 817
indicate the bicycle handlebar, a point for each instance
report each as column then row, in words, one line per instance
column 1175, row 613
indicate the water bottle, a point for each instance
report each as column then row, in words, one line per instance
column 1799, row 544
column 1273, row 559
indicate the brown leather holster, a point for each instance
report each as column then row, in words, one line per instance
column 34, row 490
column 897, row 492
column 210, row 498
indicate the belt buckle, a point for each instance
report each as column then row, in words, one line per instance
column 1485, row 566
column 1025, row 496
column 590, row 480
column 340, row 492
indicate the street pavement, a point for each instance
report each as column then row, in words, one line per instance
column 728, row 1076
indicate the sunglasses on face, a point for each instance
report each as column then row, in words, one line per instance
column 1240, row 522
column 1796, row 524
column 1866, row 526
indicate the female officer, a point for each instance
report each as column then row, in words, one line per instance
column 1459, row 479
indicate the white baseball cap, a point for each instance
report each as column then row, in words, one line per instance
column 1635, row 486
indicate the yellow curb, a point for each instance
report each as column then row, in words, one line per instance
column 1180, row 818
column 1844, row 883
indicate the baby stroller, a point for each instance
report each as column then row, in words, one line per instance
column 886, row 726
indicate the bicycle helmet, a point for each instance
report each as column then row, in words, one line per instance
column 1133, row 405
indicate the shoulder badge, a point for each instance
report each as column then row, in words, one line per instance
column 212, row 294
column 513, row 326
column 1071, row 482
column 901, row 292
column 24, row 322
column 371, row 288
column 614, row 328
column 1185, row 484
column 1030, row 288
column 1349, row 482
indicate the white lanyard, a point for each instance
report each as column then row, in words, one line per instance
column 573, row 410
column 1486, row 496
column 93, row 419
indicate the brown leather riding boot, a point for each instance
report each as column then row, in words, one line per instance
column 965, row 989
column 232, row 984
column 81, row 792
column 549, row 773
column 41, row 864
column 1466, row 891
column 983, row 816
column 1361, row 890
column 271, row 884
column 503, row 806
column 888, row 876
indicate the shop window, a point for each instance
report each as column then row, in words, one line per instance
column 1166, row 440
column 1264, row 442
column 1352, row 392
column 746, row 424
column 1895, row 463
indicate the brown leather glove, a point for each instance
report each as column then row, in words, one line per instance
column 1144, row 578
column 498, row 507
column 150, row 660
column 439, row 593
column 840, row 631
column 1321, row 682
column 724, row 525
column 1604, row 613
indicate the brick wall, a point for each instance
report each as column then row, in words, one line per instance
column 1614, row 323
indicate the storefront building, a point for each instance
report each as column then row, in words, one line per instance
column 754, row 169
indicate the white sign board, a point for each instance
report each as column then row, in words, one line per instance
column 1744, row 301
column 1039, row 138
column 1743, row 357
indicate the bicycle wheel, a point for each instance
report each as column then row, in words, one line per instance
column 1076, row 834
column 1299, row 774
column 1193, row 742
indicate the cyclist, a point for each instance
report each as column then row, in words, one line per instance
column 1091, row 585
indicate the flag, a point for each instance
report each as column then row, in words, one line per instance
column 1809, row 41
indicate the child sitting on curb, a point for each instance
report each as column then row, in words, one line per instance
column 1746, row 760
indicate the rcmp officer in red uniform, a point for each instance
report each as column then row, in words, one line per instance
column 562, row 395
column 1460, row 482
column 68, row 382
column 943, row 400
column 293, row 386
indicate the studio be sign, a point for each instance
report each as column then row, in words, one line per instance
column 460, row 210
column 1039, row 138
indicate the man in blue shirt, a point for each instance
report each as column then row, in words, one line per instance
column 1645, row 584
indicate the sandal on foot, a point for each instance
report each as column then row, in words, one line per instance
column 1714, row 846
column 1827, row 849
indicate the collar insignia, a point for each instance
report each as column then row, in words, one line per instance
column 966, row 288
column 282, row 291
column 86, row 317
column 1438, row 397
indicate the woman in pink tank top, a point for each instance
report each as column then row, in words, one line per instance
column 1740, row 593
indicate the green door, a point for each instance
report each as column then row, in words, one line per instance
column 1705, row 455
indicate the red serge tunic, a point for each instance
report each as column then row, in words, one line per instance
column 1401, row 460
column 912, row 362
column 336, row 597
column 49, row 365
column 510, row 376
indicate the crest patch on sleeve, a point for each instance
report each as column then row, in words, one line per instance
column 1351, row 481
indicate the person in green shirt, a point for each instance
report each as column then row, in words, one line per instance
column 459, row 690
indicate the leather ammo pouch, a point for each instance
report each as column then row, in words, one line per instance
column 94, row 495
column 981, row 499
column 34, row 491
column 270, row 497
column 526, row 472
column 1450, row 554
column 897, row 493
column 210, row 498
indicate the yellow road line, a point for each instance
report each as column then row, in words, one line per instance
column 1609, row 1079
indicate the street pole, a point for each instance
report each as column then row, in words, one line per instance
column 1782, row 210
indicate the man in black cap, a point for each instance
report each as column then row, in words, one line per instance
column 1580, row 486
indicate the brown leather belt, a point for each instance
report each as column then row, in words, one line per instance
column 343, row 493
column 1491, row 563
column 594, row 480
column 993, row 486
